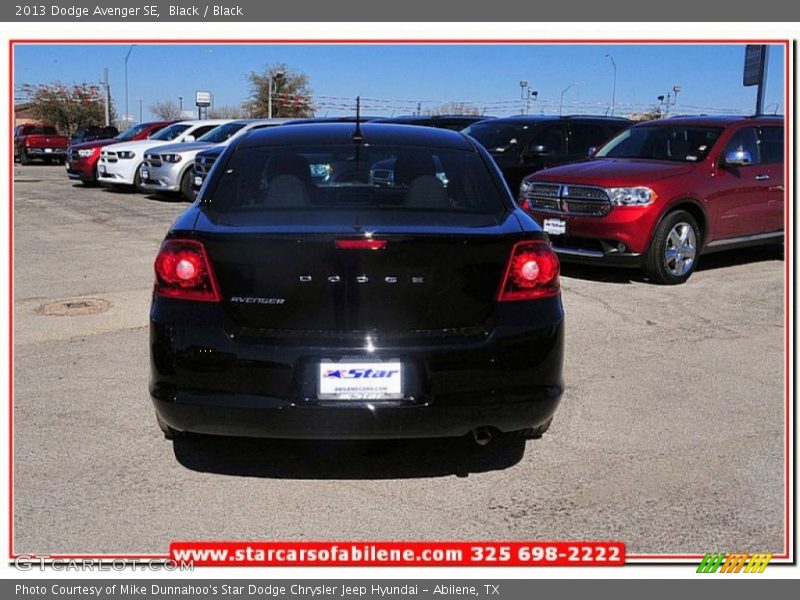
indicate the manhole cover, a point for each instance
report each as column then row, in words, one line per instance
column 74, row 308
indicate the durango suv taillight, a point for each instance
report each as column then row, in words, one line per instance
column 184, row 272
column 532, row 272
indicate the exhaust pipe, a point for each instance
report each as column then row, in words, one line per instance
column 482, row 436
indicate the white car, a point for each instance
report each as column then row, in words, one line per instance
column 119, row 163
column 169, row 168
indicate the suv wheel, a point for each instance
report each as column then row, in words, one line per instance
column 673, row 252
column 23, row 157
column 187, row 191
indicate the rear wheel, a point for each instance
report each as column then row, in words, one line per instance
column 187, row 192
column 23, row 157
column 672, row 256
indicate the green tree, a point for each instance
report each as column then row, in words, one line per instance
column 67, row 106
column 291, row 96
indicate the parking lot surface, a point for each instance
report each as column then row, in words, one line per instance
column 670, row 436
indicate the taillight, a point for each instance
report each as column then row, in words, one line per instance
column 360, row 244
column 532, row 272
column 183, row 271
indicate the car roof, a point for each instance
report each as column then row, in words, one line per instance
column 537, row 119
column 431, row 118
column 712, row 120
column 342, row 133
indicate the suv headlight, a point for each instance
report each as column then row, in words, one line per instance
column 631, row 196
column 87, row 153
column 126, row 154
column 171, row 158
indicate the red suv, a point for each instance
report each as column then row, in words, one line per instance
column 82, row 158
column 661, row 193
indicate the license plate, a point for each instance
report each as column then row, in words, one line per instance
column 145, row 174
column 555, row 226
column 101, row 169
column 48, row 150
column 360, row 380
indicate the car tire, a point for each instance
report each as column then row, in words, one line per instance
column 137, row 180
column 94, row 181
column 674, row 249
column 23, row 158
column 534, row 433
column 187, row 191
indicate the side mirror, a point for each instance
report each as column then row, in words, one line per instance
column 740, row 158
column 188, row 138
column 592, row 151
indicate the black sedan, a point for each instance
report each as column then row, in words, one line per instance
column 301, row 297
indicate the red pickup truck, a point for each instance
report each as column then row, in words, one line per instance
column 39, row 141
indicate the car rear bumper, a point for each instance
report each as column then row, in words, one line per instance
column 249, row 416
column 46, row 152
column 204, row 380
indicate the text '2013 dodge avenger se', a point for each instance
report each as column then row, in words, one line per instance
column 302, row 296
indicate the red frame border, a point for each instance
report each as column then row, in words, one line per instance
column 640, row 558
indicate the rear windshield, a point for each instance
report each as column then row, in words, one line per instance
column 221, row 133
column 498, row 137
column 355, row 176
column 37, row 130
column 662, row 142
column 171, row 132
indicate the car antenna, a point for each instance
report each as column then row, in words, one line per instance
column 357, row 137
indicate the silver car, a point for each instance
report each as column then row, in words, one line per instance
column 169, row 168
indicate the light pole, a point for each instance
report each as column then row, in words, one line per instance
column 272, row 77
column 127, row 56
column 140, row 109
column 564, row 91
column 523, row 85
column 614, row 85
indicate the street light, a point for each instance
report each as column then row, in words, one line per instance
column 272, row 77
column 127, row 56
column 180, row 104
column 614, row 87
column 523, row 84
column 140, row 110
column 564, row 91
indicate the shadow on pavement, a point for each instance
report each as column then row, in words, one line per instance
column 301, row 459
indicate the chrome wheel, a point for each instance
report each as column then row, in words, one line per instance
column 680, row 249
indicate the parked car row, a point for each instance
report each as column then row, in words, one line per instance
column 653, row 195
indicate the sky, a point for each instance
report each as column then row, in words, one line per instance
column 395, row 79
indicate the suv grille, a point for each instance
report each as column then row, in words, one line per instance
column 569, row 199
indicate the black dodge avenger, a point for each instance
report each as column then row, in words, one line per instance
column 308, row 293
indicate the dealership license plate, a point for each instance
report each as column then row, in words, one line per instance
column 145, row 174
column 555, row 226
column 48, row 150
column 360, row 380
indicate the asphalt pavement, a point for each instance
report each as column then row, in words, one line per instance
column 670, row 436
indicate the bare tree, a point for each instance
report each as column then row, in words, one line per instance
column 227, row 112
column 166, row 110
column 455, row 108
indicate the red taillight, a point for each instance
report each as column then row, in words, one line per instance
column 183, row 271
column 532, row 272
column 361, row 244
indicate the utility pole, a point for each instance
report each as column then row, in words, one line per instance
column 106, row 96
column 614, row 85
